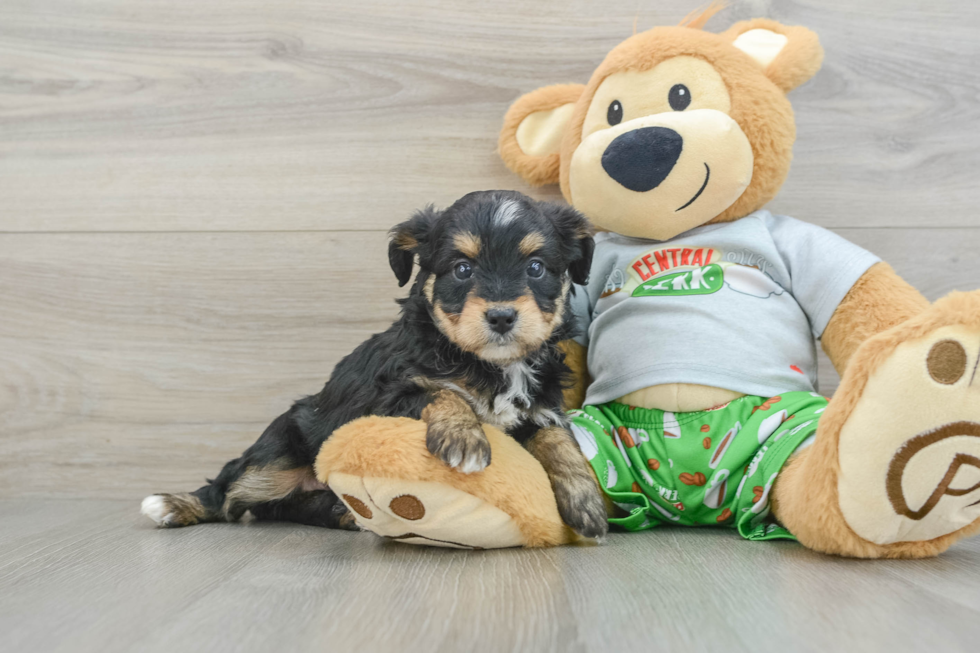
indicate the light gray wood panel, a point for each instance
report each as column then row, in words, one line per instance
column 258, row 115
column 134, row 363
column 175, row 349
column 120, row 585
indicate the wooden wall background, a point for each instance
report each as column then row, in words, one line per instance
column 193, row 195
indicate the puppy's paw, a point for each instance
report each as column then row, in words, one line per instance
column 580, row 505
column 344, row 518
column 464, row 448
column 172, row 510
column 155, row 507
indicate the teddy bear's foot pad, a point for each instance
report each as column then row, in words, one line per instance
column 910, row 451
column 427, row 513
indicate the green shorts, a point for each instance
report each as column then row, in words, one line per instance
column 711, row 467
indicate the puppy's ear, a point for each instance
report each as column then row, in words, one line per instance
column 576, row 235
column 407, row 240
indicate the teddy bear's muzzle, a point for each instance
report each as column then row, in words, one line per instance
column 659, row 175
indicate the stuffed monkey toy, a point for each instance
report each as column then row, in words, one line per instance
column 697, row 356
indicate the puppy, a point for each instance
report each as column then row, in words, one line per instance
column 476, row 342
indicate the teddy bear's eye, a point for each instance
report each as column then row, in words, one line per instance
column 679, row 97
column 614, row 115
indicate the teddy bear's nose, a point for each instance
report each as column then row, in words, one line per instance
column 642, row 158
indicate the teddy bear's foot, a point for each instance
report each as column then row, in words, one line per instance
column 421, row 512
column 382, row 470
column 910, row 450
column 895, row 468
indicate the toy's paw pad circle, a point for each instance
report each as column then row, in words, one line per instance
column 407, row 507
column 946, row 362
column 910, row 451
column 356, row 505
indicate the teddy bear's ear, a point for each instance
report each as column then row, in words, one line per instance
column 788, row 55
column 533, row 128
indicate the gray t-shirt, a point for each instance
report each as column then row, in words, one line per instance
column 735, row 305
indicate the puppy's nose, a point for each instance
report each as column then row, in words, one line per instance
column 501, row 320
column 642, row 158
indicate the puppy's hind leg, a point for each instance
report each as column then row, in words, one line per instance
column 206, row 504
column 173, row 510
column 239, row 488
column 317, row 508
column 269, row 470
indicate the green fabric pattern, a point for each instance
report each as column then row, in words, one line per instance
column 713, row 467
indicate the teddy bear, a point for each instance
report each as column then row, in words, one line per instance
column 695, row 366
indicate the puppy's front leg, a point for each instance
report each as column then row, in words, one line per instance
column 455, row 434
column 580, row 501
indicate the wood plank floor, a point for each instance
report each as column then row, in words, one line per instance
column 93, row 575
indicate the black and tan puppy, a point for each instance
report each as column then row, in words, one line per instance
column 476, row 342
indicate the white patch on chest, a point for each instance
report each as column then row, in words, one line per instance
column 514, row 403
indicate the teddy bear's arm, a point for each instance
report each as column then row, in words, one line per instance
column 576, row 357
column 878, row 301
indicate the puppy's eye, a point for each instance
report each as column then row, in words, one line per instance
column 535, row 269
column 463, row 270
column 679, row 97
column 614, row 115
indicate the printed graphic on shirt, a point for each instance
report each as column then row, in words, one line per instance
column 674, row 271
column 614, row 283
column 698, row 281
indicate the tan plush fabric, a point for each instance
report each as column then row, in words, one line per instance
column 680, row 397
column 758, row 106
column 757, row 96
column 761, row 44
column 424, row 512
column 714, row 146
column 805, row 497
column 536, row 170
column 903, row 405
column 878, row 301
column 393, row 448
column 540, row 133
column 797, row 61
